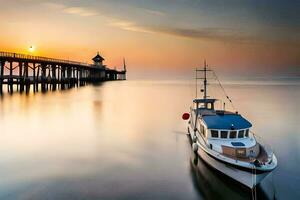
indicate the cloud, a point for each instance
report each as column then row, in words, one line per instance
column 200, row 33
column 81, row 11
column 218, row 34
column 55, row 6
column 128, row 25
column 85, row 12
column 154, row 12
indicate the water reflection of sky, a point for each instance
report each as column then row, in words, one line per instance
column 125, row 140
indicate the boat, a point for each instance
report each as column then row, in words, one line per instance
column 225, row 141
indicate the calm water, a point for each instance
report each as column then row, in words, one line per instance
column 126, row 140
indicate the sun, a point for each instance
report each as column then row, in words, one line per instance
column 31, row 49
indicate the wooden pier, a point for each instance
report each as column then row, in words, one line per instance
column 26, row 71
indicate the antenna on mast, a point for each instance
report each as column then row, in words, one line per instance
column 205, row 81
column 204, row 70
column 196, row 83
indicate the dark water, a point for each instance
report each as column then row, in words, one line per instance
column 126, row 140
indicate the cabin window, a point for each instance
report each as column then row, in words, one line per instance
column 247, row 133
column 192, row 118
column 208, row 106
column 241, row 134
column 224, row 134
column 232, row 134
column 202, row 129
column 214, row 133
column 198, row 125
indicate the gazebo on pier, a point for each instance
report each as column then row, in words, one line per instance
column 98, row 64
column 107, row 73
column 98, row 60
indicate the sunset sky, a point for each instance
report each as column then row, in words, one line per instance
column 160, row 37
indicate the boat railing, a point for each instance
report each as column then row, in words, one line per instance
column 257, row 138
column 266, row 146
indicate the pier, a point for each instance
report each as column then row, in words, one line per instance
column 26, row 71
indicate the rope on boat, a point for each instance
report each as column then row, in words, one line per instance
column 229, row 99
column 253, row 178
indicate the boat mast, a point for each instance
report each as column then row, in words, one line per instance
column 205, row 70
column 205, row 80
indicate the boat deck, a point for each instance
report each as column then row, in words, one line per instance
column 262, row 156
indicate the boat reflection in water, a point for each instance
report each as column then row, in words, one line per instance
column 211, row 184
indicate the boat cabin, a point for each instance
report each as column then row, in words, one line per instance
column 224, row 131
column 208, row 104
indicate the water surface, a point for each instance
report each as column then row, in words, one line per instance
column 126, row 140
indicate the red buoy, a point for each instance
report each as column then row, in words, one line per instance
column 185, row 116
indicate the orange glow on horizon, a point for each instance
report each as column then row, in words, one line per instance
column 80, row 35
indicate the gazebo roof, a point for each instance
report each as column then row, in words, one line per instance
column 98, row 58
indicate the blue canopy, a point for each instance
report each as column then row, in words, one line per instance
column 227, row 122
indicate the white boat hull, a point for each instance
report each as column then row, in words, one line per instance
column 244, row 177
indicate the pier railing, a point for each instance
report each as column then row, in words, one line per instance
column 41, row 59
